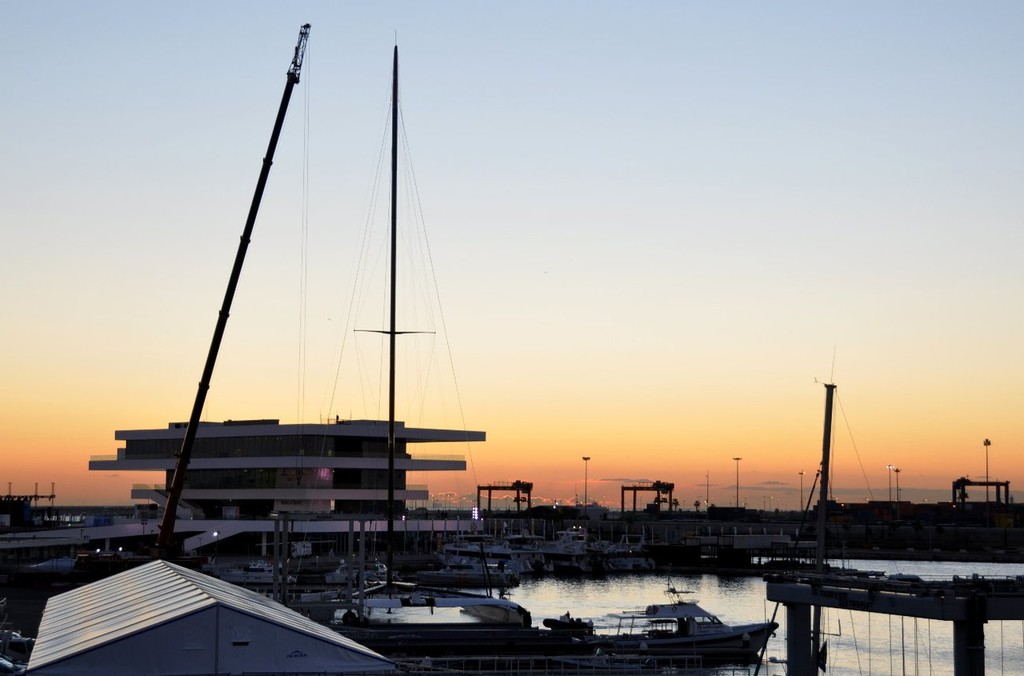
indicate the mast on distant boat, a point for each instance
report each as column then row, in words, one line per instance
column 165, row 541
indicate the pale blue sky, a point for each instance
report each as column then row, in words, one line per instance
column 653, row 202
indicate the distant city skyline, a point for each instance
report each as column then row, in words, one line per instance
column 636, row 232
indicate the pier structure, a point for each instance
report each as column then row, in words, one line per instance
column 967, row 602
column 520, row 488
column 657, row 487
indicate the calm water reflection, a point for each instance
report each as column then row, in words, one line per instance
column 858, row 643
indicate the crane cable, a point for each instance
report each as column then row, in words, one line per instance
column 303, row 281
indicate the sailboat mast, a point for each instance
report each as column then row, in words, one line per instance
column 819, row 559
column 826, row 452
column 392, row 331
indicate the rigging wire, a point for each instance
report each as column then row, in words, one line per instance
column 931, row 669
column 300, row 399
column 856, row 451
column 917, row 649
column 371, row 258
column 890, row 646
column 361, row 274
column 870, row 646
column 902, row 643
column 1002, row 650
column 302, row 333
column 856, row 643
column 360, row 265
column 414, row 186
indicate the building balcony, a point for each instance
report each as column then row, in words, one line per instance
column 414, row 464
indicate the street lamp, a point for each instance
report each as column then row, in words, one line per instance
column 986, row 444
column 891, row 468
column 801, row 505
column 586, row 465
column 737, row 482
column 896, row 471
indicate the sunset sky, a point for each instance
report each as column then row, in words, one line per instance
column 652, row 227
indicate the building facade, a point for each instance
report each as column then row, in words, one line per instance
column 253, row 468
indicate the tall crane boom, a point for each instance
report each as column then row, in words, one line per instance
column 300, row 53
column 165, row 541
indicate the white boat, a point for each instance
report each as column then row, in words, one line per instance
column 253, row 573
column 684, row 627
column 627, row 555
column 373, row 572
column 527, row 548
column 379, row 605
column 570, row 552
column 391, row 596
column 460, row 573
column 522, row 560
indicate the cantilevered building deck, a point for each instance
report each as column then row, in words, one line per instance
column 251, row 468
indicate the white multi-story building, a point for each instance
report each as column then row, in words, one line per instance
column 253, row 468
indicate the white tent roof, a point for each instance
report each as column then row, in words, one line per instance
column 163, row 619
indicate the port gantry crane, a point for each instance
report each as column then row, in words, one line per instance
column 165, row 541
column 656, row 487
column 520, row 487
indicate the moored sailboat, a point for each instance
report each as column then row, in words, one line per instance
column 392, row 596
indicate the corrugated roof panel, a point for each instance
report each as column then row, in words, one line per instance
column 115, row 606
column 143, row 598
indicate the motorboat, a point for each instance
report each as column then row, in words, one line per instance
column 684, row 627
column 571, row 552
column 570, row 625
column 627, row 555
column 460, row 572
column 373, row 572
column 526, row 548
column 256, row 572
column 522, row 558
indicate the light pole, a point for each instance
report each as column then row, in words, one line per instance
column 891, row 505
column 801, row 505
column 586, row 465
column 737, row 482
column 896, row 471
column 986, row 444
column 707, row 489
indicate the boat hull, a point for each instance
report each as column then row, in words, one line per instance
column 467, row 579
column 740, row 642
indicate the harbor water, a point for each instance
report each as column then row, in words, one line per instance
column 858, row 643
